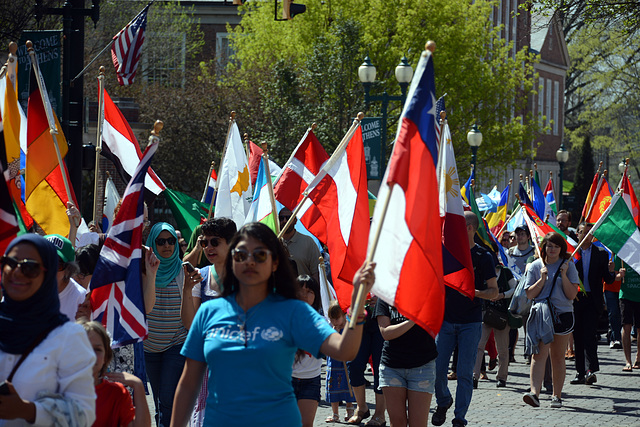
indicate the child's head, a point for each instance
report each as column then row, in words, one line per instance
column 309, row 291
column 101, row 344
column 336, row 315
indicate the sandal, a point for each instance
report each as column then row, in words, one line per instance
column 636, row 364
column 333, row 419
column 376, row 421
column 357, row 419
column 627, row 368
column 350, row 412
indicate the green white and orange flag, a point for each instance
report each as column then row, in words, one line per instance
column 617, row 230
column 234, row 195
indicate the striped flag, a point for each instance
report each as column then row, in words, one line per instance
column 261, row 209
column 550, row 197
column 127, row 46
column 116, row 285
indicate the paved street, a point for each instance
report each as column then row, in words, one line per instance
column 613, row 401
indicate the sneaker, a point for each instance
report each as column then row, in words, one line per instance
column 531, row 399
column 458, row 423
column 440, row 415
column 616, row 345
column 590, row 378
column 556, row 402
column 501, row 383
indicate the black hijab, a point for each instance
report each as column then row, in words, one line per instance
column 21, row 322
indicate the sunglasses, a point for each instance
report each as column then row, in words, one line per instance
column 161, row 242
column 242, row 255
column 215, row 241
column 30, row 268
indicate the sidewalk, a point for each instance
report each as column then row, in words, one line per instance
column 613, row 401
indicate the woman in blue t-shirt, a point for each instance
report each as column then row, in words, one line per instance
column 249, row 336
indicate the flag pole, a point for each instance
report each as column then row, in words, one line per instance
column 232, row 119
column 513, row 214
column 247, row 149
column 47, row 108
column 272, row 198
column 98, row 142
column 597, row 173
column 206, row 187
column 323, row 172
column 532, row 233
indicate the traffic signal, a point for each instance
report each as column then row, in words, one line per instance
column 290, row 9
column 237, row 2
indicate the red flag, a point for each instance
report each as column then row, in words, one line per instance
column 630, row 197
column 8, row 221
column 255, row 156
column 541, row 228
column 409, row 272
column 126, row 48
column 600, row 201
column 590, row 194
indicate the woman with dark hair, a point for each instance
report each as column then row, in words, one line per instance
column 54, row 381
column 249, row 336
column 552, row 284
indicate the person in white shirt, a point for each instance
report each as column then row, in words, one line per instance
column 70, row 292
column 54, row 380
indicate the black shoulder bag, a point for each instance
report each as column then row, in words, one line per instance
column 554, row 314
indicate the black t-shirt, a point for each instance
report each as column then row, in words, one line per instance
column 458, row 308
column 412, row 349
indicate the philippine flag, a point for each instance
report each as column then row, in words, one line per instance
column 409, row 274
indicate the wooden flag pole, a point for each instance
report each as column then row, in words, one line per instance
column 206, row 187
column 272, row 198
column 49, row 112
column 325, row 169
column 246, row 145
column 597, row 173
column 232, row 119
column 98, row 142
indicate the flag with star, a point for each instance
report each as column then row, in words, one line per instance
column 234, row 183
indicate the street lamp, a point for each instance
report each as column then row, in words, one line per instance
column 474, row 138
column 562, row 155
column 367, row 75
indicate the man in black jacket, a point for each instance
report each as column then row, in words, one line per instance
column 593, row 268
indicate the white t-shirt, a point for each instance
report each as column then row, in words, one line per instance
column 70, row 298
column 63, row 364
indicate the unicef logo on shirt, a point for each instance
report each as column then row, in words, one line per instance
column 271, row 334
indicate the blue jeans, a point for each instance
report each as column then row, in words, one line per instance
column 164, row 370
column 613, row 311
column 466, row 336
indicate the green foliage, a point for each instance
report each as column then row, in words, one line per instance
column 585, row 170
column 321, row 50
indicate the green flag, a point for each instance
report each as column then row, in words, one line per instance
column 482, row 231
column 188, row 212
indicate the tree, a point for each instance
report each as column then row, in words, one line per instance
column 585, row 171
column 473, row 65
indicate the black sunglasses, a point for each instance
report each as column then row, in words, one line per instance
column 242, row 255
column 30, row 268
column 215, row 241
column 161, row 242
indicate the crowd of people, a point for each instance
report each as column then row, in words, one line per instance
column 237, row 334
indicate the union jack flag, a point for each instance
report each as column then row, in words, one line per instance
column 127, row 46
column 116, row 285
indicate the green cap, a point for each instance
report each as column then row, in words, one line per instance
column 63, row 246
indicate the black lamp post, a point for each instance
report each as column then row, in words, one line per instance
column 474, row 138
column 562, row 155
column 367, row 75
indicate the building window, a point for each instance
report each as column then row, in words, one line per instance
column 548, row 102
column 556, row 108
column 540, row 101
column 164, row 58
column 224, row 52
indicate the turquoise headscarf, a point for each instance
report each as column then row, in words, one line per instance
column 169, row 267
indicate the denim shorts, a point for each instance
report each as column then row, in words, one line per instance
column 422, row 378
column 306, row 388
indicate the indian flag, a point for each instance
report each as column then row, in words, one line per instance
column 617, row 230
column 262, row 209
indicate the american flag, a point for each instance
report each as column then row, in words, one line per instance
column 127, row 46
column 116, row 285
column 439, row 108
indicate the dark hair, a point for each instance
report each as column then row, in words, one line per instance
column 335, row 311
column 87, row 258
column 282, row 279
column 306, row 281
column 219, row 227
column 563, row 211
column 556, row 239
column 92, row 325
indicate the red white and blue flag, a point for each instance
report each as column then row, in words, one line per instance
column 116, row 285
column 127, row 46
column 409, row 272
column 211, row 187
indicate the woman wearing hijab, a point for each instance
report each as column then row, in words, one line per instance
column 162, row 356
column 50, row 384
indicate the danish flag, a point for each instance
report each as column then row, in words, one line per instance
column 116, row 285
